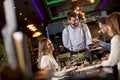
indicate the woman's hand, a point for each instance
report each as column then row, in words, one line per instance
column 98, row 42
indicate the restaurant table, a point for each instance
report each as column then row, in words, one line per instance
column 93, row 72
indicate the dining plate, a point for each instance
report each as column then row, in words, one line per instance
column 89, row 67
column 64, row 73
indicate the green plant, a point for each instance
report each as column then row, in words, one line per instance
column 65, row 23
column 3, row 57
column 80, row 57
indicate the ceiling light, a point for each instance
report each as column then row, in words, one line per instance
column 73, row 0
column 36, row 34
column 20, row 13
column 30, row 25
column 92, row 1
column 25, row 18
column 77, row 7
column 34, row 29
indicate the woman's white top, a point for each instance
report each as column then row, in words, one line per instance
column 48, row 63
column 114, row 57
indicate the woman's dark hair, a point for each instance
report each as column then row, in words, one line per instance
column 102, row 20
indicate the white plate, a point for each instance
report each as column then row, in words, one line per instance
column 64, row 73
column 89, row 67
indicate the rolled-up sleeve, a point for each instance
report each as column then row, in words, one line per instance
column 107, row 46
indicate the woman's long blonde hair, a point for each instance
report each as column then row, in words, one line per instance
column 113, row 20
column 42, row 49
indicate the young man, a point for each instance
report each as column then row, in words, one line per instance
column 76, row 36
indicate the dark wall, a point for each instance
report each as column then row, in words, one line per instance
column 2, row 16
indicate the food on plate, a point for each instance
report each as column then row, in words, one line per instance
column 107, row 55
column 64, row 72
column 97, row 61
column 104, row 58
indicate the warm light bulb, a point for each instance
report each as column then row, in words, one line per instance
column 77, row 7
column 20, row 14
column 36, row 34
column 92, row 1
column 75, row 11
column 99, row 31
column 25, row 18
column 30, row 25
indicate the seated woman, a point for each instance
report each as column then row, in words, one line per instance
column 46, row 60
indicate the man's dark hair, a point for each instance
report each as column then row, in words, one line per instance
column 102, row 20
column 71, row 14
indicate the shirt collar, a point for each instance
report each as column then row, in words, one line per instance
column 74, row 27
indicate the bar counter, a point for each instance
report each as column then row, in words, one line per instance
column 94, row 72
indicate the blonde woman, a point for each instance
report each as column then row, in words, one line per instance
column 46, row 60
column 113, row 30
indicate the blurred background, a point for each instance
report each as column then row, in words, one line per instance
column 46, row 18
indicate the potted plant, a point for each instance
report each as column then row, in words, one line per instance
column 3, row 57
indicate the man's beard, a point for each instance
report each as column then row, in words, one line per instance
column 75, row 25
